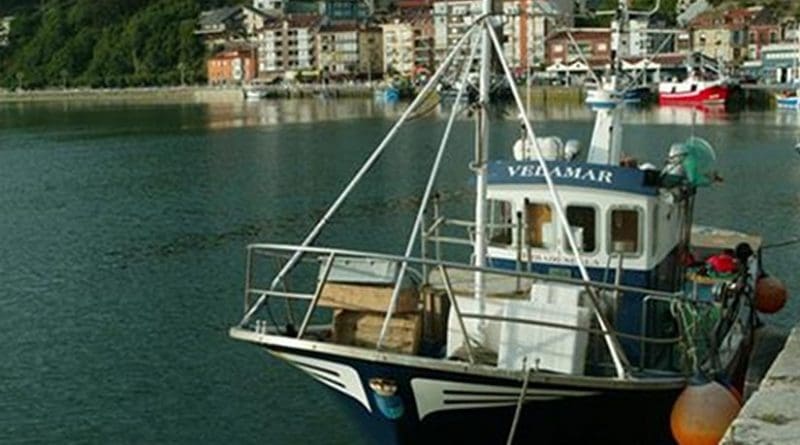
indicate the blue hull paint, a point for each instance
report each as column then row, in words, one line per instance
column 610, row 416
column 789, row 102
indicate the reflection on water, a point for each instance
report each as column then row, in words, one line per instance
column 239, row 114
column 307, row 110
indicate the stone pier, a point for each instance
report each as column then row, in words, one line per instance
column 772, row 414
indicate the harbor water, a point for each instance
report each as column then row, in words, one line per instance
column 123, row 227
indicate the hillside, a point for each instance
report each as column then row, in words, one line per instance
column 103, row 43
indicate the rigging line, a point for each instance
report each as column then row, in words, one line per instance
column 615, row 349
column 582, row 57
column 646, row 61
column 520, row 401
column 784, row 243
column 412, row 239
column 365, row 167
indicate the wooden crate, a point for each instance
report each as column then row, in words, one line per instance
column 367, row 297
column 434, row 316
column 364, row 328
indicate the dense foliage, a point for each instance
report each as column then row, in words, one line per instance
column 103, row 43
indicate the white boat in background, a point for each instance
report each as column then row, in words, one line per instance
column 570, row 316
column 254, row 92
column 788, row 100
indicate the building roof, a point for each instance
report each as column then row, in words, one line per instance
column 218, row 16
column 303, row 20
column 724, row 18
column 767, row 17
column 339, row 27
column 231, row 54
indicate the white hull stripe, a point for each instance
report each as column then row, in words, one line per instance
column 442, row 395
column 335, row 375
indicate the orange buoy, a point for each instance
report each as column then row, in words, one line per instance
column 771, row 295
column 702, row 414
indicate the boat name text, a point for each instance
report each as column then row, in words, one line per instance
column 574, row 172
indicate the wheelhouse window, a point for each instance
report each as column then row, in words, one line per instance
column 583, row 223
column 539, row 217
column 625, row 231
column 500, row 222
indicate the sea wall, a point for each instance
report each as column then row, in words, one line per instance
column 539, row 95
column 153, row 95
column 772, row 414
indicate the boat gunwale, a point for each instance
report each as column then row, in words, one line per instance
column 270, row 341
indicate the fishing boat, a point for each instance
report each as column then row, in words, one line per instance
column 694, row 90
column 567, row 311
column 788, row 100
column 603, row 96
column 254, row 92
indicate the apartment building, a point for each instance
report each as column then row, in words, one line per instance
column 525, row 29
column 723, row 34
column 408, row 43
column 370, row 52
column 337, row 49
column 287, row 47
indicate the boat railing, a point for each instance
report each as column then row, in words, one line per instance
column 300, row 322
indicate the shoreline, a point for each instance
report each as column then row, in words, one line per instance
column 208, row 94
column 146, row 94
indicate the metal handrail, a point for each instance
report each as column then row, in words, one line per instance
column 324, row 251
column 325, row 257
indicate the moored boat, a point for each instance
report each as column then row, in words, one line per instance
column 693, row 91
column 788, row 100
column 583, row 304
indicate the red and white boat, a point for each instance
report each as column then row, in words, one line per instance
column 693, row 90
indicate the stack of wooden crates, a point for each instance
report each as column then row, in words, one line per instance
column 360, row 310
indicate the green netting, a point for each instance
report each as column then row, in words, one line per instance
column 699, row 162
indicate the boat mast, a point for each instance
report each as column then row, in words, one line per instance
column 481, row 157
column 606, row 144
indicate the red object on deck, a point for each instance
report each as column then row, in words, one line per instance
column 723, row 263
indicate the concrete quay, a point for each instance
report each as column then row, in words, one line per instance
column 539, row 95
column 100, row 95
column 771, row 415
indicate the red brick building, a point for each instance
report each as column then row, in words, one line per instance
column 232, row 67
column 765, row 29
column 594, row 44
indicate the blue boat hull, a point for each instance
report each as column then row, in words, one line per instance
column 789, row 102
column 469, row 408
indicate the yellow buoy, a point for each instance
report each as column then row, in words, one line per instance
column 771, row 295
column 702, row 413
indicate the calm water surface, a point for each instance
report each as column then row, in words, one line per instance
column 123, row 227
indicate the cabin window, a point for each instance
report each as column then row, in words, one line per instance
column 500, row 222
column 625, row 231
column 583, row 222
column 539, row 217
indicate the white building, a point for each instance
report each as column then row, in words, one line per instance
column 398, row 47
column 526, row 25
column 269, row 5
column 288, row 47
